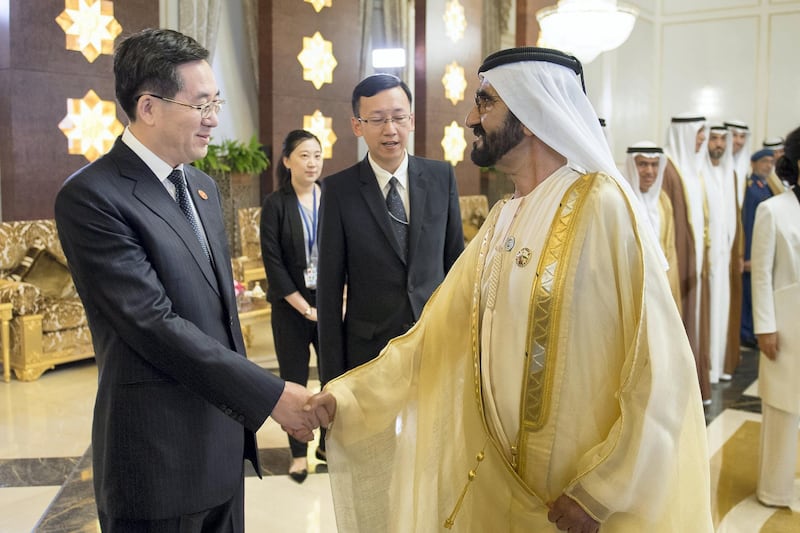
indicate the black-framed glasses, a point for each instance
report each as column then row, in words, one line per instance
column 484, row 102
column 376, row 122
column 214, row 106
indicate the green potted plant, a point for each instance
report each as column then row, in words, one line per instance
column 235, row 166
column 235, row 157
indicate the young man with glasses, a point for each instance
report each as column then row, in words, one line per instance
column 178, row 403
column 390, row 229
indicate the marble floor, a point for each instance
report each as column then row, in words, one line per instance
column 45, row 459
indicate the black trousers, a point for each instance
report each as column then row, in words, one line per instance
column 225, row 518
column 293, row 335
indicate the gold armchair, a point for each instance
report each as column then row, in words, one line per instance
column 48, row 323
column 248, row 267
column 474, row 210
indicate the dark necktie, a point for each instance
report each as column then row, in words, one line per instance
column 182, row 197
column 397, row 214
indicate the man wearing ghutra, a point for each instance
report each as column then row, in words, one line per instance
column 686, row 140
column 536, row 392
column 644, row 169
column 723, row 232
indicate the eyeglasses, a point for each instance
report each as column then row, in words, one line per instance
column 397, row 120
column 485, row 103
column 214, row 106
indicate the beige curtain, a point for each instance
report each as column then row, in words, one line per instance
column 495, row 24
column 200, row 19
column 250, row 9
column 390, row 30
column 365, row 21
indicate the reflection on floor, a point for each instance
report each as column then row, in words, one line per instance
column 45, row 459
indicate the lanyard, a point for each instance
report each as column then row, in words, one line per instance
column 311, row 225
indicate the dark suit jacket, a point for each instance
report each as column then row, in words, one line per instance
column 385, row 295
column 177, row 401
column 283, row 245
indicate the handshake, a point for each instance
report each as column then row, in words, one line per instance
column 299, row 412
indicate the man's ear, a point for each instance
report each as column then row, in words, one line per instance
column 145, row 109
column 526, row 131
column 356, row 125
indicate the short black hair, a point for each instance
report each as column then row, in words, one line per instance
column 786, row 165
column 147, row 61
column 372, row 85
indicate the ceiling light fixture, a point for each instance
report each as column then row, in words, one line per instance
column 585, row 28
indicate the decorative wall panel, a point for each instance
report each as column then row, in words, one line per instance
column 783, row 81
column 720, row 79
column 36, row 81
column 673, row 7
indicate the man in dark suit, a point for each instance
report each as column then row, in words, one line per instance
column 389, row 261
column 178, row 403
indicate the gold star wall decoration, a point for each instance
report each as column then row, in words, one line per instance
column 319, row 4
column 91, row 125
column 321, row 126
column 454, row 20
column 317, row 60
column 90, row 27
column 454, row 143
column 454, row 82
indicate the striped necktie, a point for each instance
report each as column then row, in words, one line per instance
column 182, row 197
column 397, row 213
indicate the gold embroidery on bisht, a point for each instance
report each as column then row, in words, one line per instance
column 545, row 302
column 476, row 298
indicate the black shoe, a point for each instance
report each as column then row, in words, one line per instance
column 299, row 476
column 320, row 454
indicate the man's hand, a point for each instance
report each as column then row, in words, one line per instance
column 768, row 344
column 323, row 406
column 567, row 515
column 289, row 412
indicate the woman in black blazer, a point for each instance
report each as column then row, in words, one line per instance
column 289, row 248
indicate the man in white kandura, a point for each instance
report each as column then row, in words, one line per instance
column 537, row 392
column 644, row 169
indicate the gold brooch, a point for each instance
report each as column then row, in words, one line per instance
column 202, row 194
column 523, row 257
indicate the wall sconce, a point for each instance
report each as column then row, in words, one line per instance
column 388, row 58
column 585, row 28
column 319, row 4
column 454, row 143
column 454, row 20
column 317, row 60
column 90, row 27
column 320, row 125
column 454, row 82
column 91, row 125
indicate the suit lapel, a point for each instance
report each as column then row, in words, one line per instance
column 417, row 195
column 152, row 194
column 377, row 204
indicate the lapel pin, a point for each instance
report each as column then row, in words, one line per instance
column 202, row 194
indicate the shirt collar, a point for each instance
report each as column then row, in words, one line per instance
column 384, row 176
column 157, row 165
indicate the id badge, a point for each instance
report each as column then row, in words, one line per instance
column 310, row 276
